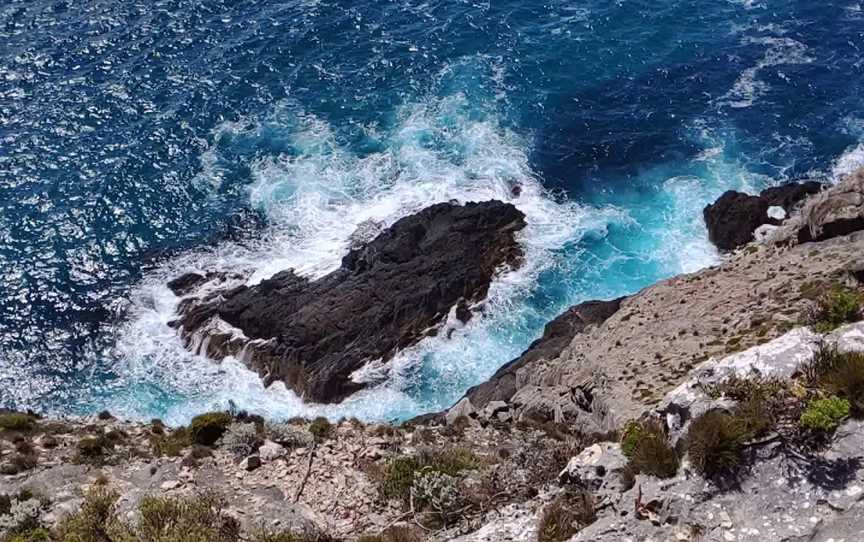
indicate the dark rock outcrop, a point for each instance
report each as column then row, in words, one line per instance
column 732, row 219
column 504, row 384
column 386, row 296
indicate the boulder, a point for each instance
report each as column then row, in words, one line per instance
column 835, row 212
column 463, row 408
column 734, row 217
column 599, row 468
column 386, row 296
column 250, row 463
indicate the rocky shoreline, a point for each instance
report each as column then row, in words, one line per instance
column 721, row 405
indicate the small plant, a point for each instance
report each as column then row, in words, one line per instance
column 397, row 477
column 16, row 421
column 169, row 444
column 739, row 388
column 630, row 438
column 825, row 414
column 565, row 517
column 715, row 442
column 288, row 435
column 207, row 428
column 437, row 493
column 837, row 307
column 648, row 449
column 198, row 518
column 321, row 428
column 21, row 515
column 396, row 533
column 92, row 521
column 839, row 373
column 93, row 450
column 241, row 439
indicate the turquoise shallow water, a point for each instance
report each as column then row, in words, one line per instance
column 139, row 140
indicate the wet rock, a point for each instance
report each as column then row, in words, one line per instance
column 732, row 219
column 387, row 295
column 735, row 216
column 185, row 283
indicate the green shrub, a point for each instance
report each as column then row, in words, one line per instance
column 840, row 374
column 170, row 444
column 825, row 414
column 321, row 428
column 93, row 521
column 16, row 421
column 207, row 428
column 742, row 389
column 565, row 517
column 397, row 477
column 648, row 450
column 630, row 438
column 198, row 518
column 397, row 533
column 715, row 442
column 39, row 534
column 93, row 450
column 835, row 308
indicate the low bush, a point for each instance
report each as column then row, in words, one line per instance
column 207, row 428
column 438, row 493
column 93, row 521
column 170, row 444
column 840, row 374
column 16, row 421
column 321, row 428
column 288, row 435
column 566, row 516
column 397, row 533
column 397, row 476
column 93, row 450
column 715, row 442
column 825, row 414
column 241, row 439
column 837, row 307
column 648, row 450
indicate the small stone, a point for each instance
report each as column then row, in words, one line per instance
column 170, row 484
column 250, row 463
column 460, row 409
column 270, row 451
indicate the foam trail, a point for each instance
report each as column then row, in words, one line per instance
column 315, row 197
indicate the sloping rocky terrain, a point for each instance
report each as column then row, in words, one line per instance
column 722, row 405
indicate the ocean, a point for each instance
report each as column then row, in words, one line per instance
column 143, row 139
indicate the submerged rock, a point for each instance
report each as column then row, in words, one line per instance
column 387, row 295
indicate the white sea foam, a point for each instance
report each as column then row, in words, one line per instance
column 749, row 86
column 849, row 162
column 315, row 197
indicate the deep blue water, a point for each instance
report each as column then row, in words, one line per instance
column 142, row 139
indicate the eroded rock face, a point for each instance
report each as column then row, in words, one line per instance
column 387, row 295
column 504, row 384
column 732, row 219
column 838, row 211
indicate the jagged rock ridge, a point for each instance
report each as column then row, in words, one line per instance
column 388, row 293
